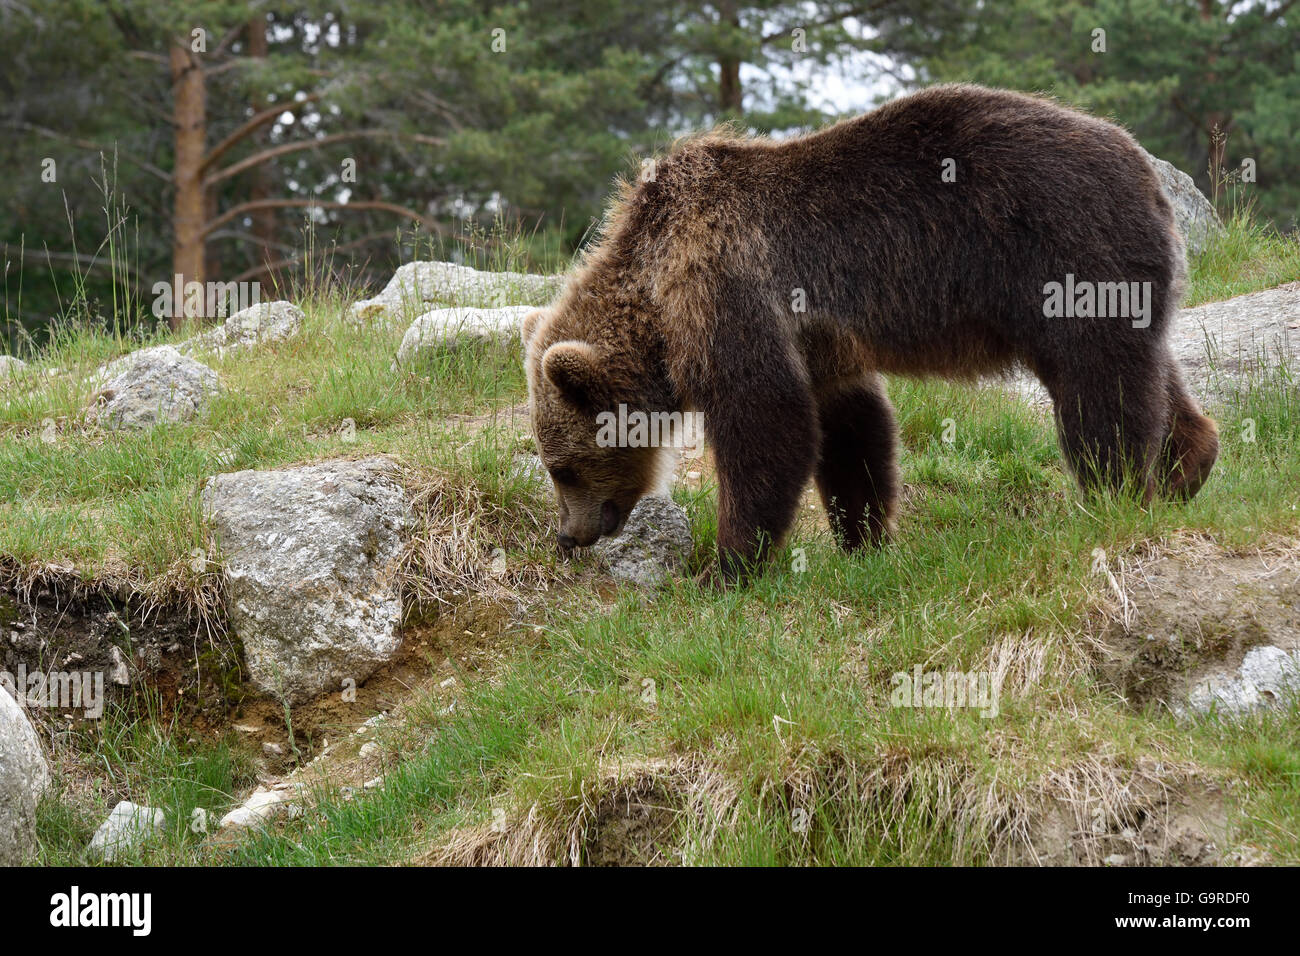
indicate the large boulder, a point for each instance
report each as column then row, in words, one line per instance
column 151, row 386
column 1223, row 345
column 417, row 286
column 1194, row 215
column 310, row 564
column 447, row 328
column 655, row 543
column 24, row 778
column 258, row 324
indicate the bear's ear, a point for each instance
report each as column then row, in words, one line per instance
column 532, row 325
column 572, row 367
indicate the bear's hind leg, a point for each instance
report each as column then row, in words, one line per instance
column 1111, row 426
column 857, row 472
column 1192, row 445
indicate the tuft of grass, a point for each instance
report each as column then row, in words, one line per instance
column 1248, row 256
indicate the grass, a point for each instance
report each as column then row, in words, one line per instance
column 731, row 727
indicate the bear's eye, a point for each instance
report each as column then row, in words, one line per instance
column 564, row 476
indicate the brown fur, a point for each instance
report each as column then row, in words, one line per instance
column 687, row 303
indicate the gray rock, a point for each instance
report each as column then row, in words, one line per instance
column 418, row 285
column 529, row 466
column 128, row 827
column 1268, row 677
column 9, row 365
column 262, row 807
column 655, row 542
column 151, row 386
column 310, row 559
column 446, row 328
column 1194, row 215
column 1221, row 345
column 24, row 778
column 258, row 324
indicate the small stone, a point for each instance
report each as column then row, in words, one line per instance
column 260, row 808
column 655, row 543
column 119, row 673
column 418, row 285
column 272, row 749
column 128, row 827
column 10, row 365
column 447, row 329
column 369, row 751
column 150, row 387
column 262, row 323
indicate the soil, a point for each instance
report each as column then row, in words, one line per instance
column 1197, row 613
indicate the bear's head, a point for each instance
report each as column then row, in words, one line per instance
column 573, row 387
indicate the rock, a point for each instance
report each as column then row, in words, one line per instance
column 150, row 386
column 310, row 560
column 258, row 324
column 1268, row 677
column 9, row 365
column 368, row 751
column 529, row 467
column 447, row 328
column 128, row 826
column 24, row 778
column 1220, row 345
column 654, row 543
column 418, row 285
column 261, row 807
column 119, row 673
column 1194, row 215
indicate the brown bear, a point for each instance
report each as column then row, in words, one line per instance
column 767, row 285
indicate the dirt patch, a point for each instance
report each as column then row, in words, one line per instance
column 327, row 733
column 1195, row 613
column 630, row 814
column 1149, row 820
column 121, row 646
column 177, row 672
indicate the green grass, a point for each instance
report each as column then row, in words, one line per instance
column 771, row 738
column 1248, row 256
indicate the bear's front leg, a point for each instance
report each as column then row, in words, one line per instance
column 762, row 421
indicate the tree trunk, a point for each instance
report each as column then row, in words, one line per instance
column 189, row 118
column 260, row 187
column 730, row 95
